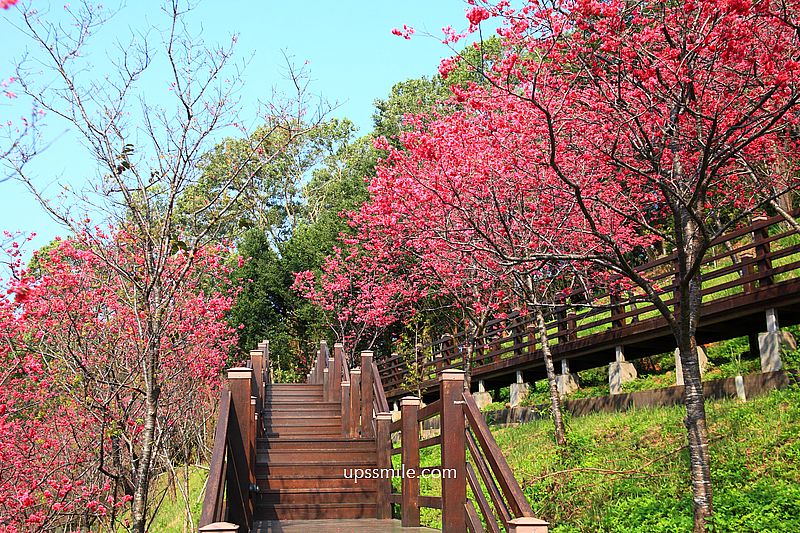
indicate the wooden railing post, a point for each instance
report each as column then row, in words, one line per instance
column 676, row 281
column 239, row 504
column 409, row 508
column 617, row 308
column 267, row 376
column 367, row 396
column 561, row 321
column 454, row 475
column 324, row 354
column 257, row 358
column 345, row 392
column 355, row 402
column 331, row 393
column 517, row 331
column 572, row 326
column 383, row 443
column 318, row 367
column 336, row 370
column 446, row 353
column 252, row 435
column 527, row 525
column 762, row 247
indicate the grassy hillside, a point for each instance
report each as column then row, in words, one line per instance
column 171, row 515
column 626, row 472
column 629, row 471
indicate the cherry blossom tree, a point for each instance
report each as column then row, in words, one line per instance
column 361, row 294
column 74, row 401
column 484, row 215
column 659, row 112
column 147, row 146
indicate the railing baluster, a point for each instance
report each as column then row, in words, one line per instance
column 480, row 497
column 410, row 454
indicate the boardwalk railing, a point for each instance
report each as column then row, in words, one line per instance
column 228, row 503
column 463, row 435
column 740, row 265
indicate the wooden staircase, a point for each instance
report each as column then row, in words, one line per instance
column 302, row 458
column 287, row 457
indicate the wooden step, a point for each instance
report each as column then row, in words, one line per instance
column 330, row 483
column 288, row 421
column 320, row 470
column 313, row 456
column 284, row 400
column 315, row 495
column 319, row 511
column 302, row 431
column 269, row 392
column 304, row 409
column 300, row 410
column 315, row 443
column 295, row 389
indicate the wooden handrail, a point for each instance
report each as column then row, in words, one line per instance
column 213, row 504
column 497, row 461
column 382, row 405
column 462, row 430
column 232, row 468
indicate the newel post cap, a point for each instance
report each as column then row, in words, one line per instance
column 220, row 527
column 451, row 374
column 240, row 372
column 409, row 400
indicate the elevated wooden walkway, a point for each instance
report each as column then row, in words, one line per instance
column 748, row 272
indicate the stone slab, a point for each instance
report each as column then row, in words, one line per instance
column 770, row 346
column 620, row 372
column 701, row 355
column 517, row 393
column 567, row 384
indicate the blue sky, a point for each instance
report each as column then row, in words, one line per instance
column 352, row 57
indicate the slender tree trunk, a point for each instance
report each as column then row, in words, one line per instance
column 555, row 400
column 687, row 313
column 139, row 505
column 697, row 433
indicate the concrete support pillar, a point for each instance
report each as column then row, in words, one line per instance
column 567, row 383
column 620, row 371
column 482, row 398
column 701, row 355
column 518, row 391
column 773, row 342
column 740, row 392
